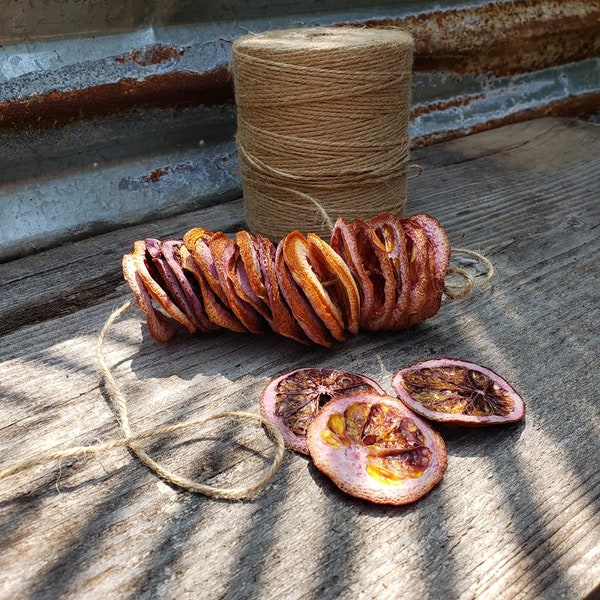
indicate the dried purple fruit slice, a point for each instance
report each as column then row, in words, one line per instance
column 217, row 311
column 368, row 261
column 171, row 251
column 457, row 391
column 225, row 251
column 161, row 327
column 439, row 242
column 390, row 233
column 373, row 447
column 155, row 286
column 292, row 401
column 170, row 282
column 424, row 299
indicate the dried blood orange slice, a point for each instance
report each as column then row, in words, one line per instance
column 456, row 391
column 161, row 327
column 368, row 261
column 292, row 401
column 375, row 448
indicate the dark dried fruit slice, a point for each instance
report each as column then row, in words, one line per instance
column 435, row 255
column 456, row 391
column 439, row 242
column 375, row 448
column 292, row 401
column 368, row 261
column 392, row 238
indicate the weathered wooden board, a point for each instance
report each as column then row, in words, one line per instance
column 516, row 515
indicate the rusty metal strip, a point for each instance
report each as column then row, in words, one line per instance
column 571, row 106
column 486, row 41
column 502, row 38
column 169, row 90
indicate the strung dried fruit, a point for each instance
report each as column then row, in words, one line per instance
column 384, row 274
column 292, row 401
column 375, row 448
column 325, row 280
column 457, row 391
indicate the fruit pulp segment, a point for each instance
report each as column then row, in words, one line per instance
column 392, row 443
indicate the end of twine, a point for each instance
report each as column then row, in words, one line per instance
column 457, row 291
column 130, row 440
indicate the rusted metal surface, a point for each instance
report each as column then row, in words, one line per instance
column 169, row 90
column 502, row 38
column 79, row 116
column 488, row 42
column 576, row 106
column 153, row 55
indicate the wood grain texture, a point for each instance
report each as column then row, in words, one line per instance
column 516, row 515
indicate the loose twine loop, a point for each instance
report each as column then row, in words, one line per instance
column 130, row 439
column 322, row 125
column 456, row 291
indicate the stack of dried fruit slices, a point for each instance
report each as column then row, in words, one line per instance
column 383, row 274
column 378, row 447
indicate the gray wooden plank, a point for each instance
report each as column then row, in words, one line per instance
column 72, row 276
column 516, row 515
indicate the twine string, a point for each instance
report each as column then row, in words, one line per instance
column 323, row 113
column 131, row 440
column 457, row 291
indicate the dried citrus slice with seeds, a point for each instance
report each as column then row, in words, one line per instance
column 457, row 391
column 292, row 401
column 373, row 447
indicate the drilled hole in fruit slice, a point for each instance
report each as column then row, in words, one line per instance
column 457, row 391
column 292, row 401
column 373, row 447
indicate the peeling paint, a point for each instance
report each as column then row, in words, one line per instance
column 152, row 55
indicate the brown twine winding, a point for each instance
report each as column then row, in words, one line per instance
column 456, row 291
column 322, row 125
column 130, row 440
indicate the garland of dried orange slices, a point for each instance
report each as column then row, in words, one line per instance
column 383, row 274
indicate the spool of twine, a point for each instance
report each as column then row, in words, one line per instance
column 322, row 125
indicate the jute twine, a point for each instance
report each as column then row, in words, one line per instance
column 455, row 290
column 131, row 440
column 322, row 125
